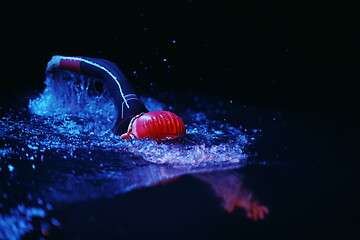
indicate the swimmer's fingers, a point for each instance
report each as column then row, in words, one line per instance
column 257, row 212
column 53, row 63
column 262, row 211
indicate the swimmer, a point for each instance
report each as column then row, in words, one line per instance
column 133, row 120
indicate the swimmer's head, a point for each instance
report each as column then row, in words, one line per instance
column 157, row 125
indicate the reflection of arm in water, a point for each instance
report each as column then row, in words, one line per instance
column 133, row 118
column 229, row 186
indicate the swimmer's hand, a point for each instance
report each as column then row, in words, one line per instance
column 253, row 209
column 256, row 211
column 53, row 63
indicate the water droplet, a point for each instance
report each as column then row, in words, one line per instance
column 55, row 222
column 11, row 168
column 49, row 207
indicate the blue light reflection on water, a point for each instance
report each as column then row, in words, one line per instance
column 77, row 112
column 61, row 149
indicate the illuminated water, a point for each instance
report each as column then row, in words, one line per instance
column 75, row 110
column 239, row 172
column 60, row 149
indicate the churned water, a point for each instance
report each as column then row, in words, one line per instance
column 60, row 149
column 75, row 109
column 239, row 171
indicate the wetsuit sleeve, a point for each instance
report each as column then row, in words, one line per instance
column 68, row 63
column 127, row 102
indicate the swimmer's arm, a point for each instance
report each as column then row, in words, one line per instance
column 80, row 65
column 62, row 62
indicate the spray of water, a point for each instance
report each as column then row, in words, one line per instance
column 62, row 149
column 75, row 106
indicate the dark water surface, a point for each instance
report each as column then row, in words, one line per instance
column 241, row 171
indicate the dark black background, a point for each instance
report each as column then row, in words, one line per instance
column 289, row 55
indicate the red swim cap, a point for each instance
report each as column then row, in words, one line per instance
column 157, row 125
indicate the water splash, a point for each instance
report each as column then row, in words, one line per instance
column 18, row 222
column 207, row 143
column 61, row 149
column 73, row 98
column 78, row 109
